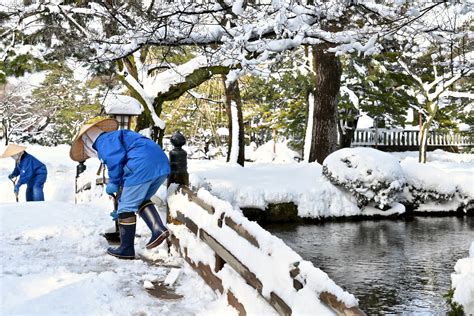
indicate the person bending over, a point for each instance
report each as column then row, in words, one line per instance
column 30, row 171
column 137, row 165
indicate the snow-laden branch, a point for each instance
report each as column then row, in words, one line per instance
column 135, row 85
column 457, row 94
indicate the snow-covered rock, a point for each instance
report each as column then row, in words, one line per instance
column 372, row 176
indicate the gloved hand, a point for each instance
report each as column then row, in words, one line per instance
column 16, row 189
column 11, row 176
column 111, row 188
column 114, row 215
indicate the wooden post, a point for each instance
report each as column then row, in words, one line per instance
column 178, row 161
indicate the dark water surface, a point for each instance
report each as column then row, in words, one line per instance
column 392, row 266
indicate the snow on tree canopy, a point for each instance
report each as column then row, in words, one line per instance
column 369, row 174
column 122, row 104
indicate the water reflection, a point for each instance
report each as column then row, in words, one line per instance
column 391, row 266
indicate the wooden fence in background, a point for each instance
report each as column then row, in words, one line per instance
column 381, row 137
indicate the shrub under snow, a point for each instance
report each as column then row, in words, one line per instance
column 431, row 189
column 462, row 282
column 372, row 176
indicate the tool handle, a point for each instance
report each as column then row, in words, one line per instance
column 14, row 184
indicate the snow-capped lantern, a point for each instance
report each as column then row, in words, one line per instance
column 123, row 108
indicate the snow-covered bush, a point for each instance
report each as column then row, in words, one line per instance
column 462, row 283
column 370, row 175
column 431, row 189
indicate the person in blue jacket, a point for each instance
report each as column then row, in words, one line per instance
column 138, row 166
column 30, row 171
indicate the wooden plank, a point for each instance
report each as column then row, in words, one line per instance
column 297, row 285
column 235, row 263
column 234, row 302
column 194, row 198
column 280, row 306
column 204, row 270
column 241, row 231
column 186, row 221
column 339, row 307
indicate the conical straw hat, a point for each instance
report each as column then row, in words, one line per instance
column 11, row 150
column 77, row 152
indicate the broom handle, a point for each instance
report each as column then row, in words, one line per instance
column 14, row 184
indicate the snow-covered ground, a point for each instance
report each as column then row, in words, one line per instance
column 54, row 257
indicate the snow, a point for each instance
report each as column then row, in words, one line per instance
column 309, row 128
column 463, row 282
column 122, row 104
column 66, row 255
column 53, row 255
column 438, row 181
column 272, row 152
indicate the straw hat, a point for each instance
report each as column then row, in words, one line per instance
column 77, row 152
column 11, row 150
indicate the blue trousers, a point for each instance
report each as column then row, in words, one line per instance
column 34, row 192
column 133, row 196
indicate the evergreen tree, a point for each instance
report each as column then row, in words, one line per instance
column 65, row 103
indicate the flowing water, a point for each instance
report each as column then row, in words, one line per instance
column 391, row 266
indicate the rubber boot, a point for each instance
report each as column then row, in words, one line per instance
column 127, row 226
column 150, row 216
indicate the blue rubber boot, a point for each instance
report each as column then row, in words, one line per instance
column 150, row 216
column 127, row 226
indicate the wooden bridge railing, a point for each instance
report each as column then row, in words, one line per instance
column 400, row 137
column 204, row 218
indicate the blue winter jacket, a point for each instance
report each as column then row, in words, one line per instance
column 31, row 171
column 131, row 158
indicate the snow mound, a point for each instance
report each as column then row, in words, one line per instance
column 463, row 282
column 273, row 152
column 372, row 176
column 431, row 189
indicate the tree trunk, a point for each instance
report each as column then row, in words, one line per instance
column 233, row 101
column 346, row 131
column 425, row 129
column 328, row 81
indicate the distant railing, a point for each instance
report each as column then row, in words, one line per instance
column 399, row 137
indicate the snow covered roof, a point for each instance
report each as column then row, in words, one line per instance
column 122, row 104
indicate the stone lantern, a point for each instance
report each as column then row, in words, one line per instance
column 123, row 108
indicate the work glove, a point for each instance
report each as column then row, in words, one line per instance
column 111, row 188
column 114, row 215
column 11, row 176
column 16, row 189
